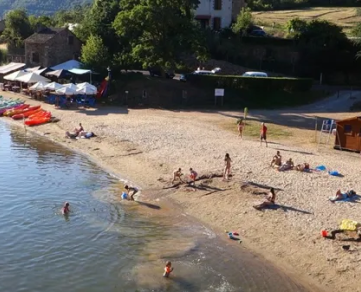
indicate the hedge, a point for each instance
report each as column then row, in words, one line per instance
column 252, row 83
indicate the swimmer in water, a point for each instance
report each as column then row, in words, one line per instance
column 65, row 210
column 168, row 269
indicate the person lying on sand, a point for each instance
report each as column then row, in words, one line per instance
column 332, row 234
column 303, row 167
column 277, row 160
column 86, row 135
column 132, row 190
column 177, row 174
column 270, row 200
column 343, row 196
column 287, row 165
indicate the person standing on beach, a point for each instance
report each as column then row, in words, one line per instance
column 177, row 174
column 240, row 127
column 193, row 175
column 263, row 133
column 227, row 167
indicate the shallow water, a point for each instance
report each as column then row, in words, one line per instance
column 104, row 244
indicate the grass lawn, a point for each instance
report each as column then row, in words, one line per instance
column 252, row 129
column 346, row 17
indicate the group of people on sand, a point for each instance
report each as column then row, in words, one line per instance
column 79, row 133
column 288, row 165
column 177, row 175
column 263, row 132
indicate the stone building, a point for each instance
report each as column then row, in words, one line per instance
column 51, row 46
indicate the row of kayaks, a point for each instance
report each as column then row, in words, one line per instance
column 17, row 110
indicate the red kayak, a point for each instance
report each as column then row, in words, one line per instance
column 26, row 114
column 37, row 121
column 40, row 113
column 23, row 110
column 14, row 109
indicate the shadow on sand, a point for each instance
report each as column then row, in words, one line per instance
column 152, row 206
column 287, row 208
column 295, row 151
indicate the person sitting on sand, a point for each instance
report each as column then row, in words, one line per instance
column 193, row 175
column 240, row 126
column 332, row 234
column 270, row 200
column 168, row 269
column 343, row 196
column 65, row 210
column 303, row 167
column 227, row 167
column 76, row 132
column 133, row 190
column 277, row 160
column 177, row 174
column 287, row 165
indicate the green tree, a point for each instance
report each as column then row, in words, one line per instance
column 356, row 33
column 244, row 21
column 17, row 28
column 94, row 54
column 43, row 20
column 296, row 26
column 159, row 32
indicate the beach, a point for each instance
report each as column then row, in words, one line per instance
column 144, row 146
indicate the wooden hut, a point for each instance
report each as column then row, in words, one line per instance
column 348, row 134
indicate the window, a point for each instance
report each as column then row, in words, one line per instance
column 217, row 4
column 70, row 40
column 35, row 58
column 216, row 23
column 347, row 129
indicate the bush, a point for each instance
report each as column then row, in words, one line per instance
column 268, row 84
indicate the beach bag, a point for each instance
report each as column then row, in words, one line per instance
column 347, row 224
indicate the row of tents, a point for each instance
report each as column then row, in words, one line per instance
column 84, row 88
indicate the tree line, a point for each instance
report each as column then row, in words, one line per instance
column 131, row 34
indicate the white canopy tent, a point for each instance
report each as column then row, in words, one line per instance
column 71, row 86
column 86, row 91
column 87, row 85
column 13, row 76
column 32, row 77
column 66, row 91
column 38, row 86
column 53, row 86
column 11, row 67
column 68, row 65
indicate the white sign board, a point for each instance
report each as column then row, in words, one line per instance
column 219, row 92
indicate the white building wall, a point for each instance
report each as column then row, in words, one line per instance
column 206, row 7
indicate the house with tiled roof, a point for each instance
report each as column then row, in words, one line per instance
column 51, row 46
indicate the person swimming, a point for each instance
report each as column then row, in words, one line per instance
column 168, row 269
column 65, row 210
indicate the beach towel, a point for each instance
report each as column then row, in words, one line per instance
column 321, row 167
column 347, row 224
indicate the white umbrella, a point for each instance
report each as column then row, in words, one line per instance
column 53, row 86
column 38, row 86
column 86, row 84
column 15, row 75
column 71, row 86
column 66, row 91
column 86, row 90
column 31, row 77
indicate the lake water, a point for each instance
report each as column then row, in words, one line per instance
column 104, row 245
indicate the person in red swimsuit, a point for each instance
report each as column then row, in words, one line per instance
column 65, row 210
column 264, row 133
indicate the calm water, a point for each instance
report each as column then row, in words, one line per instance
column 104, row 245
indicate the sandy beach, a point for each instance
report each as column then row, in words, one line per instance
column 144, row 146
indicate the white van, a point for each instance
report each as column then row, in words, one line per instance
column 255, row 74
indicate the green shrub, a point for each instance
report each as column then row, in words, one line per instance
column 268, row 84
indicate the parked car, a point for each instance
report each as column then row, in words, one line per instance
column 255, row 74
column 169, row 74
column 183, row 77
column 258, row 33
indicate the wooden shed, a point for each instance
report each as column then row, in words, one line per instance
column 348, row 134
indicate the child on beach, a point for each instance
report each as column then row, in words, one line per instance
column 227, row 167
column 270, row 200
column 193, row 175
column 263, row 134
column 168, row 269
column 65, row 210
column 240, row 127
column 177, row 174
column 131, row 189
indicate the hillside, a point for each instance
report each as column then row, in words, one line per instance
column 39, row 7
column 345, row 17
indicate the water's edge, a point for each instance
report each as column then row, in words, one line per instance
column 172, row 204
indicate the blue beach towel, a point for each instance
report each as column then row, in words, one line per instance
column 321, row 167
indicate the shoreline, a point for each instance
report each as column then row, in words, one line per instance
column 148, row 177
